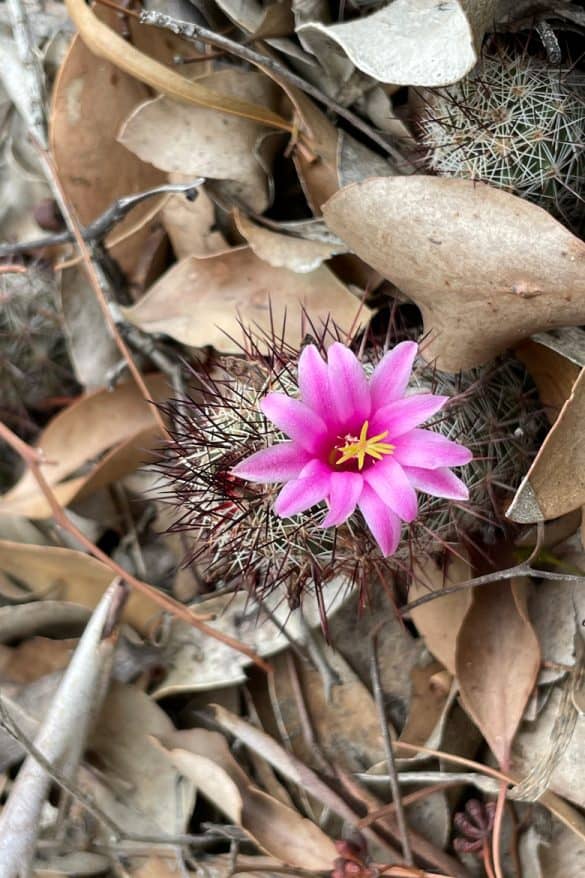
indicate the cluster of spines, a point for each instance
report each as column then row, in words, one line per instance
column 516, row 123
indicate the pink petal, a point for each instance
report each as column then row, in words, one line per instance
column 277, row 464
column 438, row 482
column 309, row 489
column 387, row 479
column 345, row 490
column 349, row 387
column 383, row 523
column 314, row 384
column 391, row 375
column 428, row 450
column 403, row 415
column 295, row 419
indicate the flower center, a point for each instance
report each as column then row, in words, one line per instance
column 358, row 448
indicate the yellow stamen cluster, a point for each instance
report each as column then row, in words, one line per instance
column 363, row 446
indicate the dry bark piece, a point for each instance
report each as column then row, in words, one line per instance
column 206, row 301
column 114, row 428
column 555, row 483
column 406, row 43
column 192, row 140
column 486, row 268
column 497, row 661
column 91, row 99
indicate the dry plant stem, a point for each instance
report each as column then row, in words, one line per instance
column 32, row 460
column 97, row 281
column 191, row 31
column 487, row 863
column 497, row 831
column 12, row 269
column 392, row 772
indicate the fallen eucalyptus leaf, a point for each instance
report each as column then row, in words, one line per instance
column 192, row 140
column 486, row 268
column 207, row 301
column 190, row 224
column 406, row 43
column 497, row 661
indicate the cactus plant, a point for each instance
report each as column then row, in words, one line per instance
column 233, row 529
column 515, row 122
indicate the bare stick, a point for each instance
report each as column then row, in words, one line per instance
column 391, row 762
column 97, row 230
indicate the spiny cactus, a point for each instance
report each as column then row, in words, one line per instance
column 516, row 123
column 33, row 360
column 237, row 538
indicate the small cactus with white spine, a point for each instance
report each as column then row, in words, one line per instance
column 515, row 122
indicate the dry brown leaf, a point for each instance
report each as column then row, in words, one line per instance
column 406, row 43
column 431, row 687
column 258, row 20
column 439, row 621
column 106, row 433
column 486, row 268
column 204, row 757
column 91, row 99
column 206, row 301
column 35, row 658
column 192, row 140
column 59, row 618
column 70, row 576
column 285, row 251
column 555, row 483
column 189, row 224
column 497, row 661
column 553, row 374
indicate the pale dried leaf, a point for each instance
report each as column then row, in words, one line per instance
column 439, row 621
column 207, row 301
column 553, row 374
column 431, row 687
column 555, row 483
column 192, row 140
column 406, row 43
column 70, row 576
column 105, row 434
column 285, row 251
column 497, row 661
column 205, row 758
column 42, row 617
column 486, row 268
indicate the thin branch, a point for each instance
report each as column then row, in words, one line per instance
column 191, row 31
column 96, row 231
column 390, row 760
column 33, row 460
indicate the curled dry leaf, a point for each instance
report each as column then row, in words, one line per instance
column 192, row 140
column 207, row 301
column 555, row 483
column 486, row 268
column 104, row 435
column 439, row 621
column 91, row 99
column 285, row 251
column 204, row 758
column 406, row 43
column 70, row 576
column 497, row 661
column 553, row 374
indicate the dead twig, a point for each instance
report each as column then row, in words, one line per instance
column 390, row 760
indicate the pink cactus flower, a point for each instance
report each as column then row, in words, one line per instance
column 357, row 443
